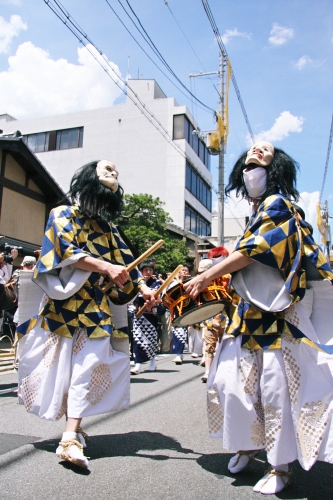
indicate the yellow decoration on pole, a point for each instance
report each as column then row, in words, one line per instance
column 226, row 108
column 222, row 129
column 214, row 138
column 321, row 224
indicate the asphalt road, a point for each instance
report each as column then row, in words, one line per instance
column 158, row 449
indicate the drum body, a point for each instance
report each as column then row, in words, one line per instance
column 186, row 311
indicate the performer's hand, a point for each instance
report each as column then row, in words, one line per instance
column 118, row 274
column 149, row 297
column 196, row 285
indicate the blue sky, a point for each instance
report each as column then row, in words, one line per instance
column 281, row 53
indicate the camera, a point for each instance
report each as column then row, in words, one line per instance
column 6, row 249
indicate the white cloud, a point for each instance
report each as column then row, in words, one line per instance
column 285, row 124
column 226, row 37
column 36, row 85
column 280, row 34
column 302, row 62
column 9, row 30
column 309, row 203
column 10, row 2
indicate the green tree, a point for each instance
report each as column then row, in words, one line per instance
column 144, row 222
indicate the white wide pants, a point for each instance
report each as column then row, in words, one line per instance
column 78, row 377
column 280, row 400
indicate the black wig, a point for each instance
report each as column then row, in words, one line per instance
column 281, row 176
column 92, row 196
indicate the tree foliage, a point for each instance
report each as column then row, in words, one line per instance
column 144, row 222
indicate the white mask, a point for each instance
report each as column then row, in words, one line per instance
column 107, row 174
column 255, row 181
column 261, row 153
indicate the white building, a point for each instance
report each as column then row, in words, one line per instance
column 146, row 161
column 233, row 229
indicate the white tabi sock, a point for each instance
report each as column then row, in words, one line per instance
column 72, row 453
column 66, row 436
column 272, row 482
column 152, row 365
column 239, row 461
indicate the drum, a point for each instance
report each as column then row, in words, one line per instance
column 186, row 311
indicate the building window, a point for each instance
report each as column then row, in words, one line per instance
column 195, row 223
column 183, row 129
column 56, row 139
column 198, row 187
column 37, row 142
column 69, row 138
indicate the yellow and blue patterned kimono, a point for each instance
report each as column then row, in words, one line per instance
column 76, row 298
column 279, row 240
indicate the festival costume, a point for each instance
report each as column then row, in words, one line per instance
column 270, row 385
column 213, row 331
column 145, row 334
column 179, row 337
column 195, row 339
column 68, row 365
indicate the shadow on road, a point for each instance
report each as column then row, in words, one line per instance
column 7, row 390
column 143, row 380
column 124, row 445
column 316, row 484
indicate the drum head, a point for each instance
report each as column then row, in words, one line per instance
column 202, row 313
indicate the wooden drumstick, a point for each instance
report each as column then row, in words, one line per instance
column 160, row 289
column 137, row 261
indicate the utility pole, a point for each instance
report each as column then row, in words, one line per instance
column 220, row 230
column 327, row 230
column 220, row 199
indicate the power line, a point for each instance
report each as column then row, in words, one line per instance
column 143, row 50
column 153, row 47
column 223, row 50
column 327, row 160
column 75, row 29
column 196, row 55
column 167, row 4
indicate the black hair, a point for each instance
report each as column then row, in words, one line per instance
column 92, row 196
column 300, row 211
column 281, row 176
column 146, row 264
column 189, row 267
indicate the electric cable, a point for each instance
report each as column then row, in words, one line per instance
column 75, row 29
column 327, row 160
column 153, row 47
column 145, row 52
column 223, row 50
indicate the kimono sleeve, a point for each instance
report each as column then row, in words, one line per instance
column 55, row 272
column 122, row 255
column 273, row 241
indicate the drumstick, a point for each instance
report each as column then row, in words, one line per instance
column 137, row 261
column 160, row 289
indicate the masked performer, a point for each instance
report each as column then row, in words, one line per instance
column 268, row 387
column 145, row 335
column 68, row 365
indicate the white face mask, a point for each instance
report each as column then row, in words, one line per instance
column 255, row 181
column 261, row 153
column 107, row 174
